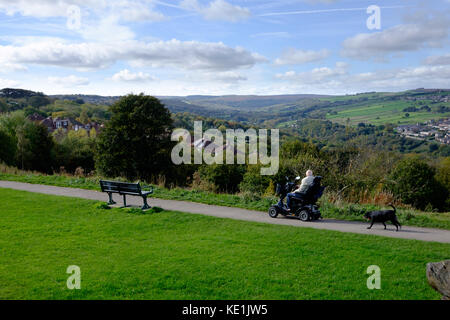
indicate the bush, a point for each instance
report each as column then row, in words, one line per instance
column 225, row 177
column 253, row 182
column 413, row 182
column 443, row 176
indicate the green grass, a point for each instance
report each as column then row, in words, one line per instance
column 125, row 254
column 344, row 212
column 221, row 199
column 376, row 111
column 408, row 217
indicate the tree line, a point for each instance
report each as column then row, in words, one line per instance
column 135, row 144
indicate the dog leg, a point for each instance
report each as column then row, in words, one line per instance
column 371, row 224
column 384, row 224
column 396, row 220
column 395, row 223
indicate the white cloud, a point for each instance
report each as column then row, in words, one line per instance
column 191, row 55
column 42, row 8
column 107, row 29
column 339, row 80
column 127, row 76
column 218, row 10
column 316, row 75
column 69, row 81
column 438, row 60
column 222, row 10
column 225, row 77
column 138, row 11
column 6, row 67
column 425, row 32
column 128, row 10
column 295, row 56
column 6, row 83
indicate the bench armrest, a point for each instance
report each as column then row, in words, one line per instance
column 146, row 188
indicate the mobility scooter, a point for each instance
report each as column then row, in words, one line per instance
column 305, row 208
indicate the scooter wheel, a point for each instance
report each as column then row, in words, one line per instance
column 304, row 215
column 273, row 212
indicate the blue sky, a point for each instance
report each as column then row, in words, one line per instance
column 214, row 47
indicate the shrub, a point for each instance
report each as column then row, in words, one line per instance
column 253, row 182
column 225, row 177
column 413, row 182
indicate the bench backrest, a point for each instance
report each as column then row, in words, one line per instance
column 120, row 187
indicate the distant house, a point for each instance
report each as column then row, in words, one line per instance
column 48, row 123
column 64, row 124
column 36, row 117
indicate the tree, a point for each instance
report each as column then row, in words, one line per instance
column 28, row 111
column 136, row 143
column 34, row 147
column 3, row 106
column 414, row 182
column 224, row 176
column 443, row 176
column 253, row 182
column 39, row 101
column 75, row 149
column 84, row 117
column 7, row 148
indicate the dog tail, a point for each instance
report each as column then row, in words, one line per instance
column 395, row 210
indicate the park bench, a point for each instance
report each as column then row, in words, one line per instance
column 124, row 189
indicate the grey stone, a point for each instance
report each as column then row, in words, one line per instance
column 438, row 274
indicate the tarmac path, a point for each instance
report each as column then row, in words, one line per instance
column 407, row 232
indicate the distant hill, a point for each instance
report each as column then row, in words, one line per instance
column 233, row 101
column 405, row 107
column 18, row 93
column 93, row 99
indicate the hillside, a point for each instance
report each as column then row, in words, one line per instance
column 18, row 93
column 398, row 108
column 376, row 108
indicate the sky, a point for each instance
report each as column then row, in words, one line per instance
column 218, row 47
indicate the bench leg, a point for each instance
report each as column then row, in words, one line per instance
column 146, row 206
column 124, row 201
column 111, row 201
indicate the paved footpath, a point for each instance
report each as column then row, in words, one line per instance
column 407, row 232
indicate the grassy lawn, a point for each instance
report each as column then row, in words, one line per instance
column 170, row 255
column 343, row 211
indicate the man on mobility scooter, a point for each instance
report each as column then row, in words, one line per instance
column 301, row 203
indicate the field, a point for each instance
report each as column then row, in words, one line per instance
column 379, row 109
column 124, row 254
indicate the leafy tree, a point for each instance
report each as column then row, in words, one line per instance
column 84, row 117
column 39, row 101
column 443, row 176
column 75, row 150
column 225, row 177
column 414, row 182
column 34, row 147
column 3, row 106
column 253, row 182
column 7, row 148
column 135, row 143
column 31, row 110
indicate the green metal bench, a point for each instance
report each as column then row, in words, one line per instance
column 124, row 189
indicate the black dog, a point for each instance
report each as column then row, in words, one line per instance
column 383, row 216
